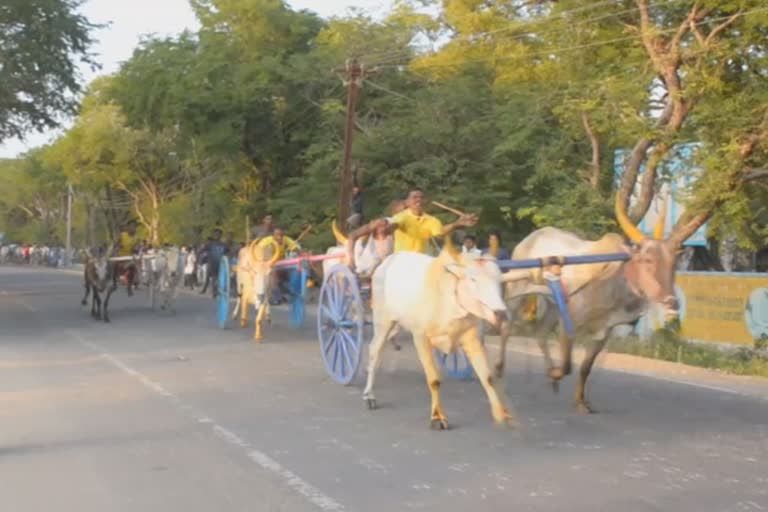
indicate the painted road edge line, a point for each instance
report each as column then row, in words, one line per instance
column 289, row 478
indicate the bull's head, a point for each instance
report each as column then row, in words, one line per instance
column 478, row 290
column 172, row 262
column 651, row 270
column 261, row 271
column 101, row 272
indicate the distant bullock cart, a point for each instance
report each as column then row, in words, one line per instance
column 159, row 272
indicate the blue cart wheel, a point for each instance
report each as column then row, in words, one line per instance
column 222, row 303
column 298, row 283
column 456, row 364
column 340, row 323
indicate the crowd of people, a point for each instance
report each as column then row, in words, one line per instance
column 407, row 227
column 35, row 254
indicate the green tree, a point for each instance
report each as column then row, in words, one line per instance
column 41, row 44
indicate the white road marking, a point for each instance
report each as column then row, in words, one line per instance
column 292, row 480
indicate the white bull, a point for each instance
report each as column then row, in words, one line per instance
column 439, row 300
column 253, row 284
column 167, row 268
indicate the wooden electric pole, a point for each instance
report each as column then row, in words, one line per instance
column 353, row 81
column 354, row 74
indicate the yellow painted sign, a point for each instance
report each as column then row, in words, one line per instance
column 723, row 307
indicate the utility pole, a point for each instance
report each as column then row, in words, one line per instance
column 353, row 82
column 355, row 73
column 68, row 250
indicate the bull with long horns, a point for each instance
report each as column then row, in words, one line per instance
column 600, row 296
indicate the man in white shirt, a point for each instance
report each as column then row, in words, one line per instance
column 470, row 246
column 370, row 245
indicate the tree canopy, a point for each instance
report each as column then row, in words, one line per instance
column 42, row 42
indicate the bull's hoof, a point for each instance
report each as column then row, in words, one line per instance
column 107, row 320
column 83, row 303
column 511, row 422
column 498, row 371
column 584, row 408
column 438, row 424
column 555, row 385
column 370, row 403
column 396, row 345
column 556, row 373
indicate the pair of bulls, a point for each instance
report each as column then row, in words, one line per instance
column 101, row 276
column 254, row 278
column 439, row 300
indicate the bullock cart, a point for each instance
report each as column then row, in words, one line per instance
column 159, row 272
column 344, row 304
column 298, row 269
column 144, row 274
column 343, row 324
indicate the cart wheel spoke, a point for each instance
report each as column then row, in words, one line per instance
column 349, row 342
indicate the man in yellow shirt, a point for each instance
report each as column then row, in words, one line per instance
column 283, row 242
column 413, row 228
column 126, row 242
column 126, row 245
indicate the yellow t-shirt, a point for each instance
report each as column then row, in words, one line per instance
column 413, row 233
column 127, row 243
column 287, row 242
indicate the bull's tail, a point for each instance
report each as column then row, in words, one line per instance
column 531, row 308
column 237, row 307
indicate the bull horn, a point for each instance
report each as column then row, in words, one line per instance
column 632, row 231
column 451, row 249
column 340, row 238
column 275, row 254
column 253, row 249
column 658, row 230
column 517, row 275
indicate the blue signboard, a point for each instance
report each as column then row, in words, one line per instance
column 676, row 174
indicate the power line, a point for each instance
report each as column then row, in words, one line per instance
column 551, row 19
column 580, row 47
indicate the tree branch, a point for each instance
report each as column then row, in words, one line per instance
column 674, row 43
column 594, row 177
column 648, row 182
column 689, row 222
column 722, row 27
column 755, row 174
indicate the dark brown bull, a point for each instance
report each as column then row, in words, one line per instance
column 95, row 279
column 600, row 296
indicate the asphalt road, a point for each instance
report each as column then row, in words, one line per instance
column 167, row 413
